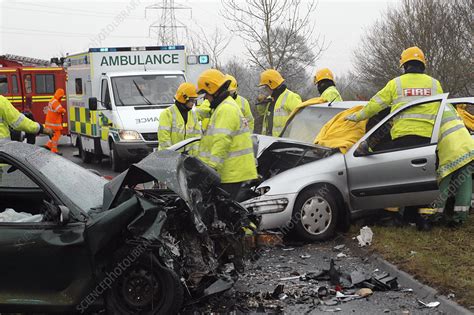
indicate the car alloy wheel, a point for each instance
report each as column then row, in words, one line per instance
column 316, row 215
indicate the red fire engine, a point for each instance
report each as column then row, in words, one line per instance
column 29, row 84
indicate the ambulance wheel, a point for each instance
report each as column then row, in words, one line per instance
column 85, row 156
column 115, row 162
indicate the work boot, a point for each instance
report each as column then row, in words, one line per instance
column 422, row 223
column 392, row 217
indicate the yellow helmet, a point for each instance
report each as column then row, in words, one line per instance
column 210, row 81
column 185, row 91
column 271, row 78
column 412, row 53
column 233, row 83
column 323, row 74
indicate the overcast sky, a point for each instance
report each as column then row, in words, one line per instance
column 43, row 29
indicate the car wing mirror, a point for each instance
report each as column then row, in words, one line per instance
column 362, row 149
column 64, row 215
column 92, row 103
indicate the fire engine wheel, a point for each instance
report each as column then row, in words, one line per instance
column 85, row 156
column 115, row 162
column 145, row 287
column 315, row 214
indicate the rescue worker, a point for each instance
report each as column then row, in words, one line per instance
column 241, row 101
column 415, row 125
column 11, row 117
column 283, row 102
column 324, row 80
column 226, row 144
column 179, row 122
column 455, row 152
column 54, row 120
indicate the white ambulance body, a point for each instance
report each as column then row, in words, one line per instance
column 115, row 97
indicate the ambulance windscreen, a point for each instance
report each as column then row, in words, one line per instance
column 145, row 89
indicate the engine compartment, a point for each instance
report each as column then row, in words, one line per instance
column 282, row 156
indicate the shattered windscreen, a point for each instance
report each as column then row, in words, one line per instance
column 306, row 125
column 82, row 187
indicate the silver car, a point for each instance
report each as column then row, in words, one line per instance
column 311, row 189
column 313, row 198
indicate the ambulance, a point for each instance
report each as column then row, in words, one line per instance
column 115, row 97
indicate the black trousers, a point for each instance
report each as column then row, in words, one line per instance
column 234, row 190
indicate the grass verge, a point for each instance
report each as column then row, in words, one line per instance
column 442, row 258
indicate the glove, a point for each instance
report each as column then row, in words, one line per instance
column 351, row 117
column 48, row 131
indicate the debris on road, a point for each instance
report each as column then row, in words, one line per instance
column 365, row 236
column 341, row 255
column 364, row 292
column 339, row 247
column 429, row 305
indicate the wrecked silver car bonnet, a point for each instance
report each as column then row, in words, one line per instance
column 189, row 178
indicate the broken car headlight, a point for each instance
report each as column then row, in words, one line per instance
column 129, row 135
column 263, row 190
column 260, row 207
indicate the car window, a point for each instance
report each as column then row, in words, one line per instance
column 387, row 137
column 306, row 125
column 3, row 85
column 82, row 187
column 10, row 177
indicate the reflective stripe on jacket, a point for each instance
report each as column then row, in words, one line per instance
column 11, row 117
column 54, row 117
column 284, row 105
column 455, row 144
column 227, row 146
column 331, row 94
column 245, row 108
column 172, row 129
column 409, row 87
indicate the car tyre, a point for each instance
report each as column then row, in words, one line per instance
column 85, row 156
column 315, row 214
column 115, row 162
column 145, row 287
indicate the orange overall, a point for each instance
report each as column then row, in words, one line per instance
column 54, row 119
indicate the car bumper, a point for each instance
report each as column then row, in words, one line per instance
column 134, row 151
column 275, row 210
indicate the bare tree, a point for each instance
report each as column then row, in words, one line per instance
column 213, row 44
column 269, row 29
column 442, row 29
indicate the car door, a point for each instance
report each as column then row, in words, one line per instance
column 42, row 262
column 402, row 176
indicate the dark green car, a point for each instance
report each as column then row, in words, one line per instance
column 125, row 245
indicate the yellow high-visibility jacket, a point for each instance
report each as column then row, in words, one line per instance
column 455, row 144
column 203, row 112
column 226, row 144
column 418, row 120
column 172, row 129
column 10, row 116
column 331, row 94
column 284, row 105
column 245, row 108
column 340, row 133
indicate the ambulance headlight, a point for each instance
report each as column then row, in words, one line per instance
column 129, row 135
